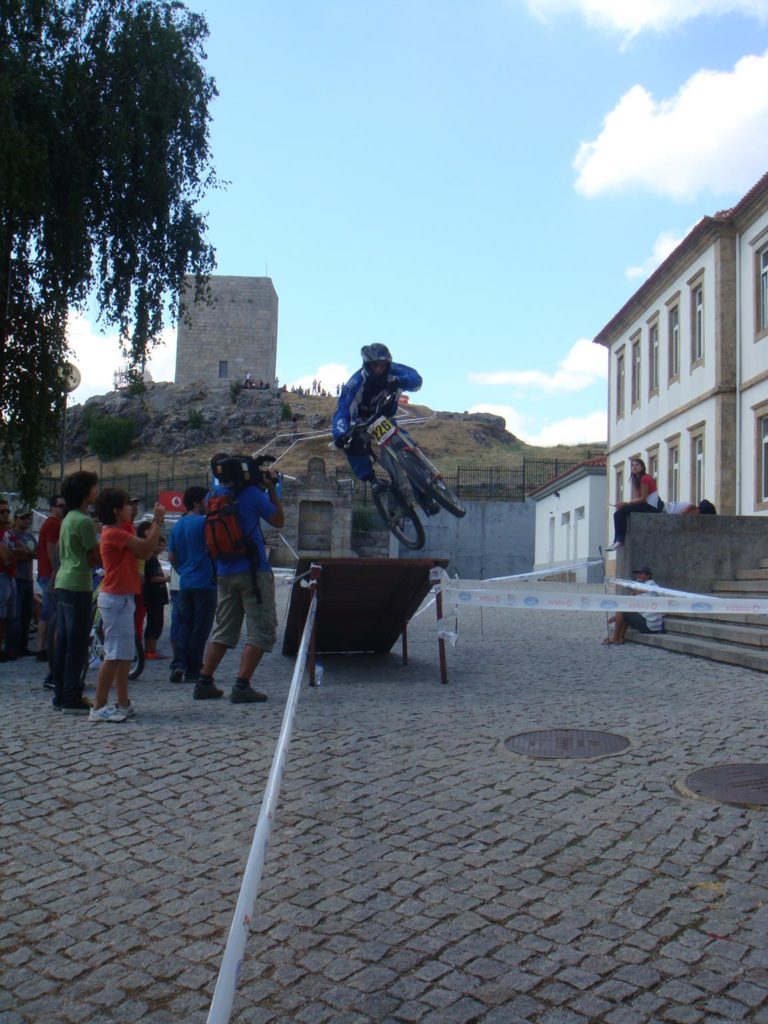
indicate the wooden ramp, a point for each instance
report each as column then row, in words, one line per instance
column 363, row 604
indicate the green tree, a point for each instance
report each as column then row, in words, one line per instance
column 104, row 156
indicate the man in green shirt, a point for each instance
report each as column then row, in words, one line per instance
column 78, row 554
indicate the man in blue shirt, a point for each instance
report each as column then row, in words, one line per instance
column 246, row 590
column 196, row 602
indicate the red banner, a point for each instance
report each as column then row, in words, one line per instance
column 172, row 501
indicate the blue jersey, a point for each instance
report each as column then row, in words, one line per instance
column 360, row 391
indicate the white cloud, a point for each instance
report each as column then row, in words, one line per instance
column 98, row 357
column 584, row 364
column 328, row 376
column 711, row 136
column 630, row 17
column 590, row 429
column 665, row 243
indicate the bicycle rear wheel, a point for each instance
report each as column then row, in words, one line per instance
column 137, row 665
column 400, row 518
column 430, row 483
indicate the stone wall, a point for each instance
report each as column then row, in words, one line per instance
column 691, row 552
column 234, row 336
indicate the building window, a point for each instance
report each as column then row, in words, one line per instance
column 636, row 373
column 653, row 464
column 697, row 468
column 673, row 472
column 620, row 385
column 697, row 324
column 619, row 483
column 762, row 434
column 223, row 369
column 653, row 358
column 673, row 323
column 762, row 291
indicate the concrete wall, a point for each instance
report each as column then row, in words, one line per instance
column 691, row 552
column 493, row 539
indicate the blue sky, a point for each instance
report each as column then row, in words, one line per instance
column 480, row 184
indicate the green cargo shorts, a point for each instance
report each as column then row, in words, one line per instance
column 237, row 601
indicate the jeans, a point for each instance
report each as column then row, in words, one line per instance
column 195, row 613
column 17, row 638
column 74, row 609
column 174, row 633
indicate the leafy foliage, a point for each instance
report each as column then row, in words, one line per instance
column 104, row 155
column 286, row 413
column 110, row 436
column 195, row 419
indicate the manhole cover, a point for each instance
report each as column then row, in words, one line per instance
column 570, row 743
column 742, row 784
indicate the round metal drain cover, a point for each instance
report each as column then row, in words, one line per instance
column 567, row 743
column 741, row 784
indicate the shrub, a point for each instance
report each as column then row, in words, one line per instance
column 234, row 390
column 195, row 419
column 110, row 436
column 286, row 413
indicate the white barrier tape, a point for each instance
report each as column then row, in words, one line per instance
column 667, row 591
column 229, row 974
column 574, row 601
column 421, row 611
column 572, row 567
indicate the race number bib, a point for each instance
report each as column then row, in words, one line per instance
column 381, row 429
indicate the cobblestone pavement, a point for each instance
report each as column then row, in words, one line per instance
column 418, row 870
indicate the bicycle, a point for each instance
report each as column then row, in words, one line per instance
column 413, row 479
column 96, row 652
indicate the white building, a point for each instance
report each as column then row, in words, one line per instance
column 570, row 519
column 688, row 379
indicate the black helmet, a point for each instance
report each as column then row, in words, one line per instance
column 375, row 353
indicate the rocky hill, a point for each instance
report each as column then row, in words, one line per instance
column 184, row 426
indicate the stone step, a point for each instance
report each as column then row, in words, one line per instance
column 731, row 654
column 717, row 629
column 752, row 574
column 763, row 563
column 756, row 588
column 740, row 620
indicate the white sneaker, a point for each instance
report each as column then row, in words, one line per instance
column 129, row 710
column 106, row 714
column 615, row 546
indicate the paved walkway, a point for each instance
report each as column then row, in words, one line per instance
column 418, row 870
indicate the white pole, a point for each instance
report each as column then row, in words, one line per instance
column 229, row 974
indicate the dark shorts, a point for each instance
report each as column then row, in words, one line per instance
column 637, row 621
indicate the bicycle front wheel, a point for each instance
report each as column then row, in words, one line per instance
column 430, row 483
column 400, row 518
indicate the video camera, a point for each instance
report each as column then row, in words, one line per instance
column 241, row 470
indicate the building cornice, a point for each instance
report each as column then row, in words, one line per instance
column 679, row 411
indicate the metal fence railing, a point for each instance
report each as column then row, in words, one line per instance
column 486, row 483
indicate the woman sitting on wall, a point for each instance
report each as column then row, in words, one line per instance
column 645, row 498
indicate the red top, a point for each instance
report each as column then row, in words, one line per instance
column 49, row 534
column 121, row 573
column 646, row 479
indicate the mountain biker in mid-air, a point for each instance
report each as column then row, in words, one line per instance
column 357, row 402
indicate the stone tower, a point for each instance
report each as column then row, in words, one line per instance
column 235, row 336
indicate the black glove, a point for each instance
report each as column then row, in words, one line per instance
column 341, row 442
column 393, row 382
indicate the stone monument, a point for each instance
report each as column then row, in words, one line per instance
column 235, row 336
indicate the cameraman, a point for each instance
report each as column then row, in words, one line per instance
column 245, row 587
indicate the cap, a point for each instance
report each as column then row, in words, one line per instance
column 134, row 501
column 20, row 513
column 644, row 569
